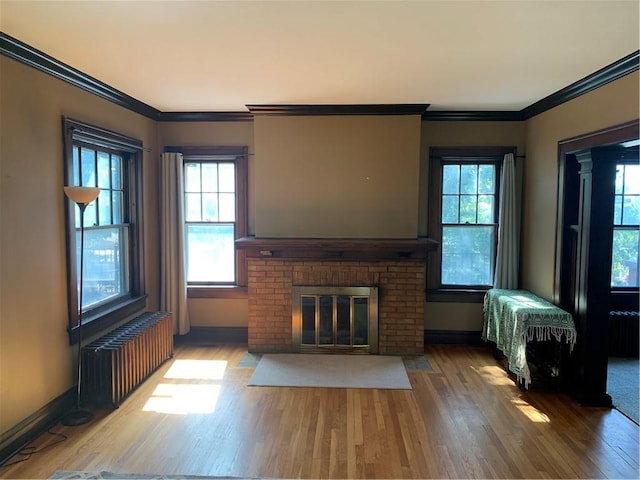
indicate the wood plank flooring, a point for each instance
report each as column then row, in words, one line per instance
column 464, row 419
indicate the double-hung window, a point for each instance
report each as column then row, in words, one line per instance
column 626, row 224
column 215, row 189
column 112, row 278
column 463, row 218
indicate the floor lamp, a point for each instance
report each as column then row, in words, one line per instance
column 82, row 196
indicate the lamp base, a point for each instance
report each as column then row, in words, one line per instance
column 78, row 417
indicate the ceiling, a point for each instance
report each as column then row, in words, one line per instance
column 218, row 56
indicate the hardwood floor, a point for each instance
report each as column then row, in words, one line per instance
column 465, row 419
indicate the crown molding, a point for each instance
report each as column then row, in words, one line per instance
column 21, row 52
column 618, row 69
column 205, row 117
column 341, row 109
column 32, row 57
column 473, row 116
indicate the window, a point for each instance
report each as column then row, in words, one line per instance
column 113, row 285
column 463, row 218
column 626, row 224
column 215, row 189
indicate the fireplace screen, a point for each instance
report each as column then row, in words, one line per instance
column 340, row 319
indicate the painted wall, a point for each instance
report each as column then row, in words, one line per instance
column 337, row 176
column 36, row 361
column 460, row 316
column 610, row 105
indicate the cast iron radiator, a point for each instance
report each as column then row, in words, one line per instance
column 115, row 364
column 623, row 333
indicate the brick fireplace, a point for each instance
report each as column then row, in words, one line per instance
column 395, row 267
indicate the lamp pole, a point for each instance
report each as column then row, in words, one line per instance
column 81, row 196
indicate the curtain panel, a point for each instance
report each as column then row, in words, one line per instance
column 173, row 279
column 508, row 249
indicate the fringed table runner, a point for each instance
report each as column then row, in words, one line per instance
column 514, row 317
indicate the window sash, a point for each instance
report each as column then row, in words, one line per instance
column 441, row 288
column 118, row 209
column 211, row 209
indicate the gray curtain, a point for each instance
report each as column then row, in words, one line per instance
column 508, row 250
column 173, row 279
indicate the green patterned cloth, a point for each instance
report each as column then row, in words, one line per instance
column 514, row 317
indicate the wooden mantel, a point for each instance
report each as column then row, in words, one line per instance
column 337, row 248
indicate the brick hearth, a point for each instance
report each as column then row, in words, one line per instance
column 399, row 273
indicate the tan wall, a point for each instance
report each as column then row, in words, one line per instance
column 337, row 176
column 612, row 104
column 36, row 361
column 460, row 316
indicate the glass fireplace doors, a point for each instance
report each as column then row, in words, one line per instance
column 335, row 319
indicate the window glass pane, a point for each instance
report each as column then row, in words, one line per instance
column 624, row 268
column 468, row 208
column 118, row 205
column 450, row 209
column 227, row 207
column 619, row 179
column 485, row 209
column 467, row 255
column 631, row 210
column 106, row 265
column 210, row 177
column 104, row 207
column 104, row 170
column 617, row 210
column 88, row 168
column 211, row 253
column 192, row 177
column 193, row 207
column 90, row 215
column 227, row 177
column 486, row 179
column 76, row 165
column 116, row 172
column 632, row 179
column 451, row 179
column 210, row 207
column 469, row 179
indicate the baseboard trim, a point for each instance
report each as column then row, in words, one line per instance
column 452, row 337
column 16, row 438
column 214, row 335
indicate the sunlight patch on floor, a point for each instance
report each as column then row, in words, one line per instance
column 494, row 375
column 531, row 412
column 197, row 370
column 183, row 399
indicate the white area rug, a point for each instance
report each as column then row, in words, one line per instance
column 332, row 371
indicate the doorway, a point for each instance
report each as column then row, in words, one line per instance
column 586, row 200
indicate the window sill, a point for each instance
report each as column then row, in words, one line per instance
column 456, row 295
column 95, row 324
column 231, row 291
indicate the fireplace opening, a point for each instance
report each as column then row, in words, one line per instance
column 335, row 319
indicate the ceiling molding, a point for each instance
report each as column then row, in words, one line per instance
column 474, row 116
column 618, row 69
column 32, row 57
column 205, row 117
column 340, row 109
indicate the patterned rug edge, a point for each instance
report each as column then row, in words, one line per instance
column 105, row 475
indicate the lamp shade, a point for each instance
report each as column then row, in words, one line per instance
column 82, row 195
